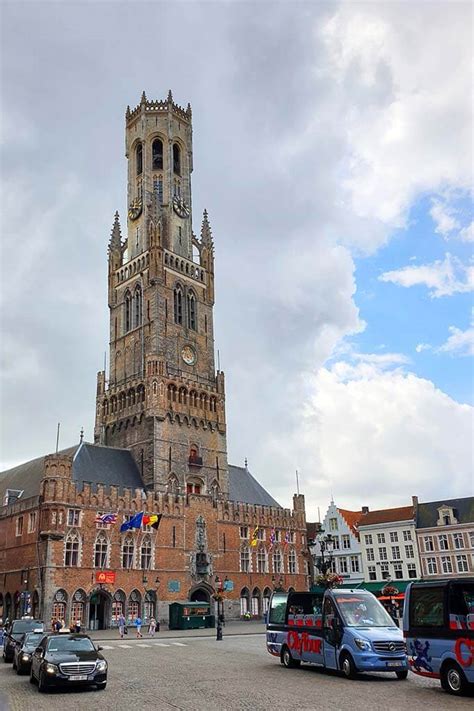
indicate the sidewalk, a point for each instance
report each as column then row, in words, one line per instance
column 231, row 628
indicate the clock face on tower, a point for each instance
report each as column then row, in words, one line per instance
column 188, row 354
column 180, row 207
column 135, row 209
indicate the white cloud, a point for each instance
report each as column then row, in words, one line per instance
column 376, row 437
column 422, row 347
column 459, row 343
column 442, row 278
column 443, row 217
column 467, row 233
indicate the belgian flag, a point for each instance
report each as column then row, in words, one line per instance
column 152, row 520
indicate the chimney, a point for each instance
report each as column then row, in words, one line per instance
column 365, row 510
column 415, row 501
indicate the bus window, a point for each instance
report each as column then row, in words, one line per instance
column 461, row 606
column 278, row 609
column 426, row 607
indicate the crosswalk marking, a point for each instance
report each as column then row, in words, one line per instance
column 105, row 646
column 125, row 646
column 178, row 644
column 141, row 644
column 160, row 644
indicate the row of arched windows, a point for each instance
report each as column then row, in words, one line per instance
column 263, row 560
column 133, row 268
column 126, row 398
column 133, row 309
column 131, row 555
column 157, row 157
column 193, row 398
column 186, row 315
column 184, row 266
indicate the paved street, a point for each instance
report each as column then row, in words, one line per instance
column 199, row 673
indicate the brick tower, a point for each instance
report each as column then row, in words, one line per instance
column 164, row 400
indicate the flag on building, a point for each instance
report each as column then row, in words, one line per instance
column 272, row 538
column 152, row 520
column 106, row 518
column 287, row 538
column 254, row 537
column 134, row 522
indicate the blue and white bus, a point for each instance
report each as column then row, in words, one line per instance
column 438, row 624
column 345, row 630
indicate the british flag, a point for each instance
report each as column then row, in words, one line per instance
column 106, row 518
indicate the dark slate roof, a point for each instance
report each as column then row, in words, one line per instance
column 427, row 515
column 91, row 463
column 27, row 477
column 106, row 465
column 243, row 487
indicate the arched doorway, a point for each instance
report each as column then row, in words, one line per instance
column 99, row 610
column 200, row 594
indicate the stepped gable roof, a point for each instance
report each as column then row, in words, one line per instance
column 352, row 519
column 244, row 488
column 92, row 463
column 402, row 513
column 427, row 513
column 27, row 477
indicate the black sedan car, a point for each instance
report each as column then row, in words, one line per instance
column 24, row 649
column 14, row 633
column 68, row 659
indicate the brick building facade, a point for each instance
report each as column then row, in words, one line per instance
column 160, row 435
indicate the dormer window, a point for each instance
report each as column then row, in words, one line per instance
column 446, row 516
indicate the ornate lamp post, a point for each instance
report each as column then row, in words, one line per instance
column 219, row 598
column 323, row 559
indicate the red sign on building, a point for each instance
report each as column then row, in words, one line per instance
column 105, row 576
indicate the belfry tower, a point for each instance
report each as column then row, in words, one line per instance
column 164, row 400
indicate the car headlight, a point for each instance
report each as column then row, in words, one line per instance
column 362, row 643
column 102, row 665
column 25, row 657
column 51, row 669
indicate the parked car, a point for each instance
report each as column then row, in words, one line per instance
column 14, row 632
column 65, row 660
column 24, row 649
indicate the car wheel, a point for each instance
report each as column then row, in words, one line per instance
column 402, row 674
column 287, row 660
column 42, row 688
column 101, row 686
column 453, row 680
column 348, row 667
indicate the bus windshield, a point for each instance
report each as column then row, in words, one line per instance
column 278, row 608
column 362, row 610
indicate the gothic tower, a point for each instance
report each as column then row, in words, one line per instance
column 164, row 399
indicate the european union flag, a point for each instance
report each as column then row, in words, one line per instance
column 135, row 522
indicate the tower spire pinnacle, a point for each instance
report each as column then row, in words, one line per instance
column 206, row 233
column 116, row 234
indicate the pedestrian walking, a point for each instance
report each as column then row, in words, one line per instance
column 121, row 626
column 152, row 627
column 138, row 625
column 78, row 626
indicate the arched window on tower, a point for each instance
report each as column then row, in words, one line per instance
column 157, row 154
column 139, row 159
column 137, row 306
column 176, row 159
column 178, row 305
column 145, row 553
column 191, row 310
column 128, row 312
column 101, row 549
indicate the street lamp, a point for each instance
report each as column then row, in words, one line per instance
column 219, row 598
column 324, row 560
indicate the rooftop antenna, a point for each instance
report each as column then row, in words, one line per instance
column 319, row 515
column 297, row 483
column 246, row 462
column 81, row 435
column 57, row 437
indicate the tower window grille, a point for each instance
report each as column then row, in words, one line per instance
column 139, row 158
column 157, row 154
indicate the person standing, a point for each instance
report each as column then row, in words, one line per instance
column 152, row 627
column 121, row 626
column 138, row 625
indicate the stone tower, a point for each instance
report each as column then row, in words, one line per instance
column 164, row 399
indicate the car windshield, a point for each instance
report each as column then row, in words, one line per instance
column 33, row 639
column 70, row 644
column 21, row 626
column 362, row 610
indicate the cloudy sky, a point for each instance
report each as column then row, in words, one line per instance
column 332, row 149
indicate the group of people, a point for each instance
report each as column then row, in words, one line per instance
column 57, row 625
column 153, row 626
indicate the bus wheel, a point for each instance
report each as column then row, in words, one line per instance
column 452, row 679
column 401, row 674
column 287, row 660
column 347, row 666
